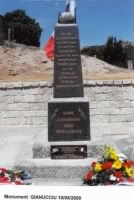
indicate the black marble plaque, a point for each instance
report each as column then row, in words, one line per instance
column 68, row 121
column 69, row 152
column 2, row 30
column 67, row 63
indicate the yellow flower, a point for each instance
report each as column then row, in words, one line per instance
column 129, row 172
column 113, row 154
column 98, row 167
column 117, row 164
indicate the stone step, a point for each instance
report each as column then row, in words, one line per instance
column 42, row 150
column 47, row 168
column 57, row 182
column 122, row 144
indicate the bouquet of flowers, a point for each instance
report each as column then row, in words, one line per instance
column 111, row 169
column 8, row 176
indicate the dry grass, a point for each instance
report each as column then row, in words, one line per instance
column 25, row 64
column 26, row 77
column 49, row 76
column 109, row 76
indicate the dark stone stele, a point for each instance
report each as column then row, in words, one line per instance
column 2, row 30
column 67, row 63
column 68, row 121
column 69, row 152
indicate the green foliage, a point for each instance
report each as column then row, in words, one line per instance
column 24, row 29
column 129, row 50
column 93, row 51
column 114, row 52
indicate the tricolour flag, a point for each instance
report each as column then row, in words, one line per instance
column 71, row 7
column 49, row 47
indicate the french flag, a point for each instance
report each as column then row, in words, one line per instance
column 49, row 47
column 71, row 8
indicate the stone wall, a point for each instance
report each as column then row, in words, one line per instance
column 25, row 103
column 111, row 101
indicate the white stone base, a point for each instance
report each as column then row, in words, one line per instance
column 47, row 168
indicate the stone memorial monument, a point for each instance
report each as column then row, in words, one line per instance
column 64, row 150
column 2, row 30
column 68, row 111
column 61, row 152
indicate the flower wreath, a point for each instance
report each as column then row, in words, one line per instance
column 8, row 176
column 111, row 169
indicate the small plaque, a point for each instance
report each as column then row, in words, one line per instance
column 69, row 152
column 68, row 121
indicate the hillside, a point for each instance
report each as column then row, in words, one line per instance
column 30, row 63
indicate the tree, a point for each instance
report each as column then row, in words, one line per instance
column 93, row 51
column 114, row 52
column 25, row 30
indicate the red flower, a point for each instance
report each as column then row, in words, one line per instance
column 131, row 180
column 93, row 164
column 121, row 179
column 3, row 170
column 4, row 180
column 107, row 165
column 18, row 182
column 118, row 174
column 128, row 164
column 1, row 179
column 89, row 175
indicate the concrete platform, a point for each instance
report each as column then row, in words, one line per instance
column 16, row 145
column 47, row 168
column 57, row 182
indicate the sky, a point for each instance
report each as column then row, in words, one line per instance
column 97, row 19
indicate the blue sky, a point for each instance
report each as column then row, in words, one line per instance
column 97, row 19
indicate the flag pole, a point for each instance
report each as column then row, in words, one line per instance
column 133, row 23
column 57, row 5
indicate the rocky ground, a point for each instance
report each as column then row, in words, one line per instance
column 30, row 63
